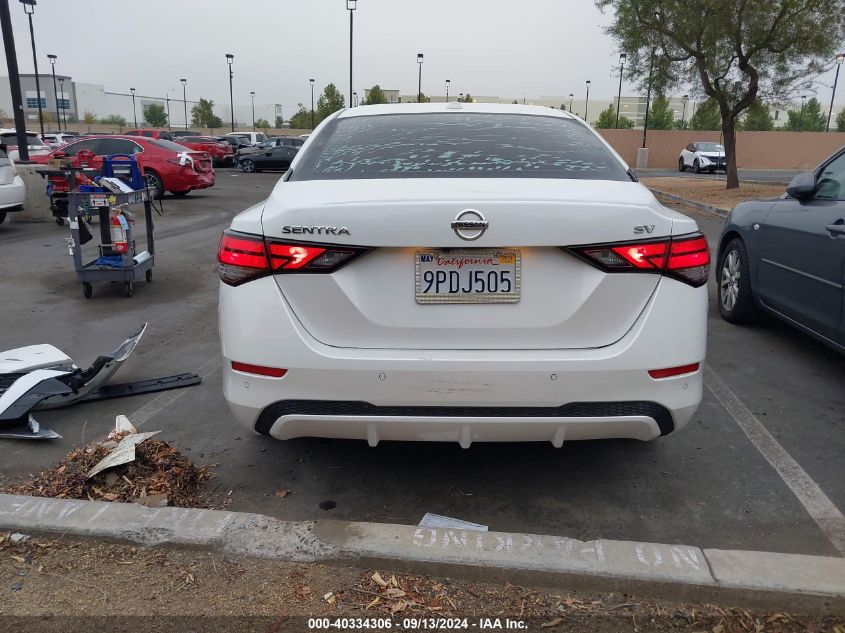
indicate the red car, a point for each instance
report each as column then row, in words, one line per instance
column 160, row 161
column 221, row 152
column 150, row 133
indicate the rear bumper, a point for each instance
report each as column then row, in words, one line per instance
column 13, row 194
column 189, row 180
column 461, row 395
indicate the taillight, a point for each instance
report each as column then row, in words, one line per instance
column 243, row 257
column 686, row 258
column 260, row 370
column 669, row 372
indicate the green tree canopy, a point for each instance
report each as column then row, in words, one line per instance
column 155, row 115
column 733, row 52
column 329, row 102
column 374, row 95
column 607, row 120
column 262, row 124
column 202, row 114
column 280, row 122
column 467, row 98
column 661, row 116
column 114, row 119
column 302, row 119
column 706, row 116
column 840, row 121
column 808, row 118
column 89, row 117
column 758, row 118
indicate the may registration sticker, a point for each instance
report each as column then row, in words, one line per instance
column 475, row 275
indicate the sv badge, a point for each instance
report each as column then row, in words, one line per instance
column 643, row 228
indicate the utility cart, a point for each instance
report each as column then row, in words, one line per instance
column 118, row 261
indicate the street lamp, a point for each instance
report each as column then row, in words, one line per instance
column 801, row 115
column 252, row 96
column 312, row 103
column 419, row 89
column 134, row 113
column 351, row 5
column 185, row 102
column 461, row 97
column 29, row 9
column 167, row 98
column 355, row 99
column 52, row 59
column 570, row 101
column 684, row 115
column 448, row 83
column 587, row 102
column 622, row 59
column 840, row 57
column 229, row 59
column 64, row 106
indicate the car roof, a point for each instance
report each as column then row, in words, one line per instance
column 454, row 106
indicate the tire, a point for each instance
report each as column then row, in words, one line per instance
column 681, row 166
column 87, row 290
column 149, row 275
column 181, row 194
column 696, row 166
column 2, row 217
column 154, row 182
column 60, row 221
column 247, row 166
column 733, row 284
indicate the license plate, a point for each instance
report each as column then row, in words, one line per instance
column 468, row 275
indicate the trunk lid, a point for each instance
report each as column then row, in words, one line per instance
column 565, row 303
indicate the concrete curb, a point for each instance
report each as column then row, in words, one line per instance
column 802, row 584
column 706, row 208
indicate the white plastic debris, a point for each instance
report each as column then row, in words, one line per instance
column 123, row 453
column 438, row 521
column 122, row 425
column 17, row 537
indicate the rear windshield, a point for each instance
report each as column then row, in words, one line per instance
column 457, row 145
column 169, row 145
column 32, row 140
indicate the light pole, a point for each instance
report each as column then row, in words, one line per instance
column 648, row 96
column 229, row 59
column 351, row 5
column 448, row 82
column 622, row 59
column 312, row 103
column 185, row 102
column 29, row 9
column 461, row 97
column 840, row 57
column 167, row 98
column 587, row 102
column 252, row 96
column 64, row 107
column 419, row 89
column 134, row 113
column 14, row 79
column 684, row 115
column 52, row 59
column 570, row 101
column 801, row 115
column 355, row 99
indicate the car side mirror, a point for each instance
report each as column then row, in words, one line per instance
column 802, row 186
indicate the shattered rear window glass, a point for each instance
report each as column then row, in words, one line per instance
column 457, row 145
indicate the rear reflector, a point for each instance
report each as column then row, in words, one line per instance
column 686, row 258
column 673, row 371
column 244, row 257
column 273, row 372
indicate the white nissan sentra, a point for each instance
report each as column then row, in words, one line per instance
column 462, row 273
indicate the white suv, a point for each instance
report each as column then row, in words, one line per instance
column 702, row 156
column 254, row 137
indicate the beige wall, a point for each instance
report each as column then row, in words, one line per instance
column 755, row 150
column 113, row 129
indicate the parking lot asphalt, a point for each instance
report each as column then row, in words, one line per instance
column 709, row 484
column 781, row 176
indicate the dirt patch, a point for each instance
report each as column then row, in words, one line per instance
column 60, row 585
column 712, row 192
column 158, row 472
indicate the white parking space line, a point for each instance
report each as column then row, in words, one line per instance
column 826, row 515
column 165, row 399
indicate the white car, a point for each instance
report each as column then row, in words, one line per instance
column 703, row 156
column 254, row 137
column 12, row 188
column 36, row 146
column 58, row 139
column 462, row 273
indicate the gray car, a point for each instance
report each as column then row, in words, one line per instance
column 786, row 256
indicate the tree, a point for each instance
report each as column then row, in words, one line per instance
column 734, row 51
column 114, row 119
column 808, row 119
column 758, row 118
column 375, row 95
column 467, row 98
column 202, row 114
column 329, row 102
column 262, row 124
column 302, row 119
column 706, row 116
column 660, row 115
column 280, row 122
column 155, row 115
column 840, row 121
column 680, row 124
column 421, row 98
column 89, row 117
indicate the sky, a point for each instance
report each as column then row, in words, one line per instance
column 505, row 48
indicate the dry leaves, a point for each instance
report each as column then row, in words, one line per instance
column 282, row 493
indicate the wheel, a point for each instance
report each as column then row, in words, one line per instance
column 154, row 182
column 87, row 290
column 736, row 300
column 60, row 221
column 247, row 166
column 2, row 217
column 681, row 166
column 149, row 274
column 696, row 166
column 181, row 194
column 129, row 288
